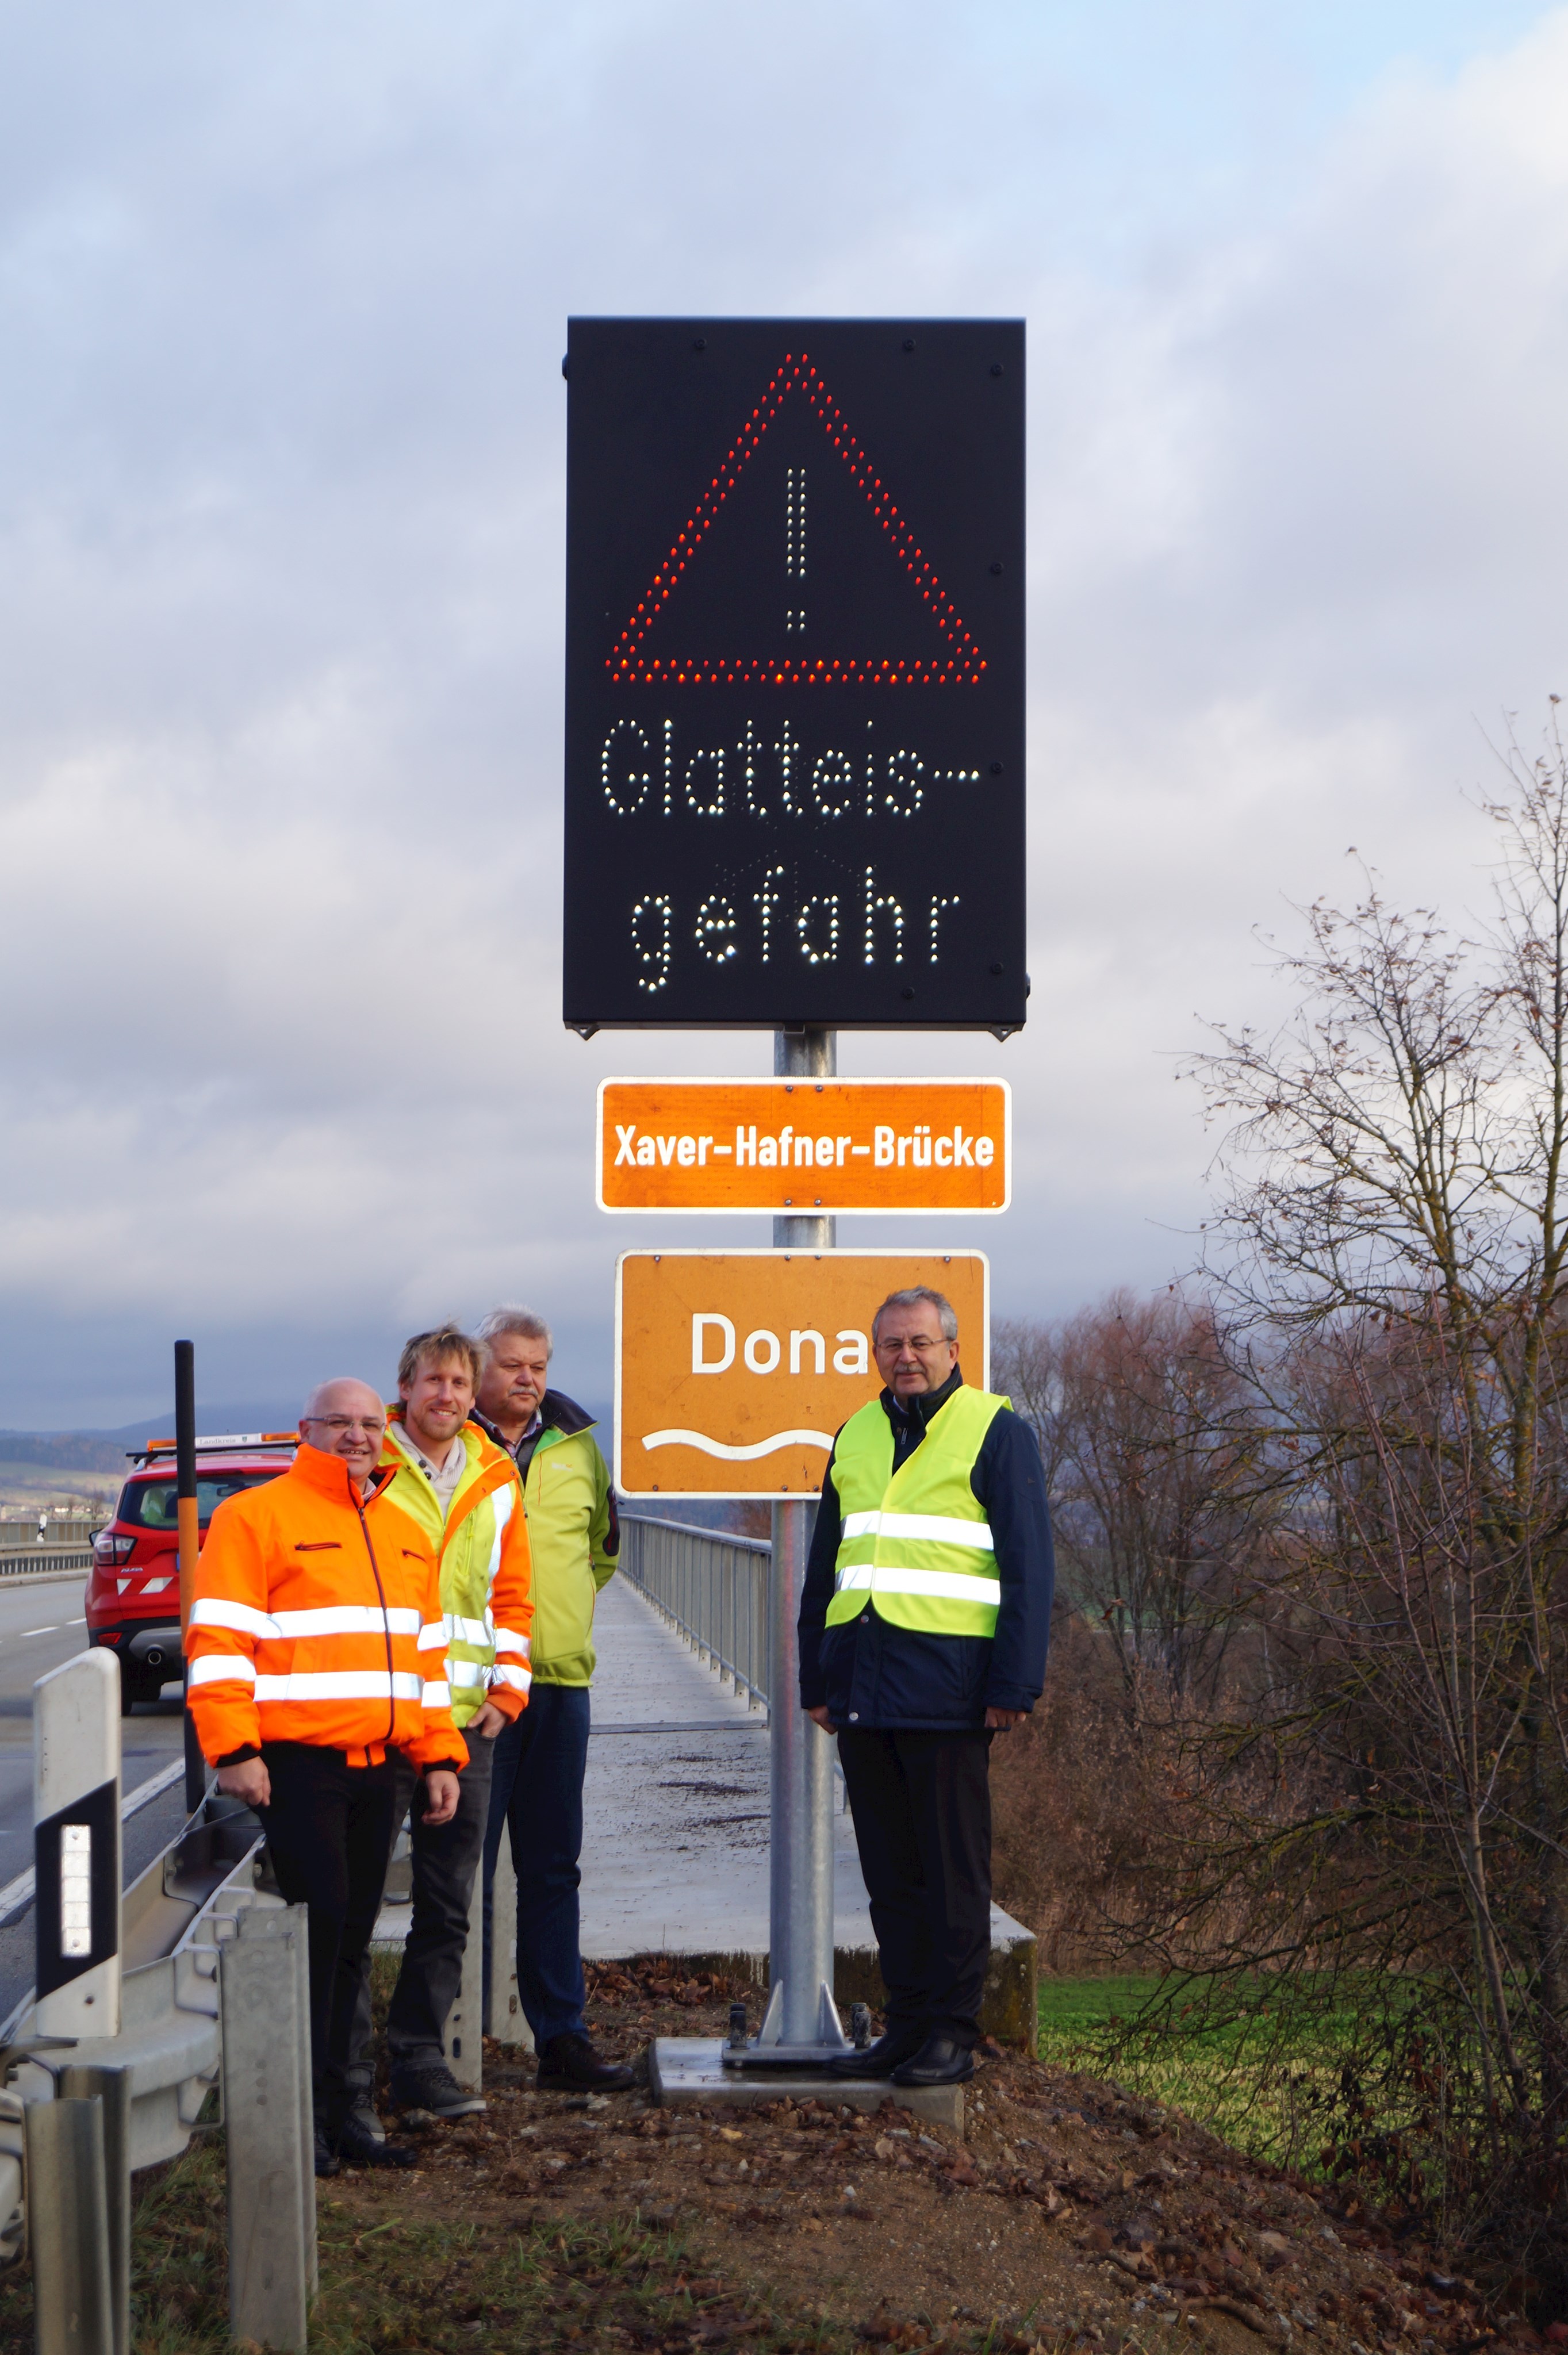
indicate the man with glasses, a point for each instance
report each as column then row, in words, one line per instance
column 923, row 1625
column 317, row 1657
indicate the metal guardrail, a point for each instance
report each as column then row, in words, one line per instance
column 712, row 1587
column 30, row 1560
column 148, row 2001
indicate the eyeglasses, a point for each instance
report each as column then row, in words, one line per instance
column 374, row 1425
column 911, row 1342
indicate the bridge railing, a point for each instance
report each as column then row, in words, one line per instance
column 18, row 1562
column 713, row 1588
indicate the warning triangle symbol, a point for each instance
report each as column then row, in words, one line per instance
column 796, row 543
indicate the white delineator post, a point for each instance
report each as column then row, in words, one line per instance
column 801, row 2009
column 76, row 1847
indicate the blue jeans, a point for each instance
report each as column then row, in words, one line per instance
column 536, row 1789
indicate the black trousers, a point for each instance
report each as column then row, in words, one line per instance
column 330, row 1830
column 922, row 1804
column 445, row 1860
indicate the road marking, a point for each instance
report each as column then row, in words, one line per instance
column 76, row 1623
column 18, row 1893
column 22, row 1639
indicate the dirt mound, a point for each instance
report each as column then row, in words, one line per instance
column 1070, row 2211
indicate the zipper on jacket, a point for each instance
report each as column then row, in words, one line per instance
column 386, row 1623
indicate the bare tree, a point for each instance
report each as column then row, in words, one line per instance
column 1149, row 1438
column 1389, row 1260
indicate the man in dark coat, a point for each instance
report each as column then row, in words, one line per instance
column 923, row 1627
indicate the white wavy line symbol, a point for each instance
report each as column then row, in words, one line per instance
column 700, row 1440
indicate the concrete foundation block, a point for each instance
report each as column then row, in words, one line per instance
column 1007, row 2006
column 689, row 2073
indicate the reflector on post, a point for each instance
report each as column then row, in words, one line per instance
column 76, row 1847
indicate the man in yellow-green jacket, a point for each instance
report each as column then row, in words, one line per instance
column 463, row 1492
column 924, row 1620
column 536, row 1791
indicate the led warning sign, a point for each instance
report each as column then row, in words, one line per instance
column 794, row 740
column 903, row 1145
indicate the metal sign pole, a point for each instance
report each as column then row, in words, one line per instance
column 187, row 1510
column 801, row 2009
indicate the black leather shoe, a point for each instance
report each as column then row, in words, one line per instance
column 569, row 2064
column 878, row 2060
column 359, row 2146
column 939, row 2062
column 326, row 2160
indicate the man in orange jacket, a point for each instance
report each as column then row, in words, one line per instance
column 317, row 1653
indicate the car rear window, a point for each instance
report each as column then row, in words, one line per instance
column 151, row 1504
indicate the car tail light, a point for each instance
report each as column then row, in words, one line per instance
column 107, row 1549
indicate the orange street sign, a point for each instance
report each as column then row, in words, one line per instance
column 911, row 1145
column 733, row 1369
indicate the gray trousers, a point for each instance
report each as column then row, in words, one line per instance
column 445, row 1860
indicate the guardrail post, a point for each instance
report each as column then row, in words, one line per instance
column 264, row 1988
column 76, row 1847
column 68, row 2226
column 464, row 2035
column 504, row 2018
column 111, row 2089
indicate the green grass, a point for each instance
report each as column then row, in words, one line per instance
column 1258, row 2084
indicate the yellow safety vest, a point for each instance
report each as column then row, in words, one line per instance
column 915, row 1542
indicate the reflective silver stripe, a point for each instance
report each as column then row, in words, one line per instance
column 221, row 1667
column 502, row 1500
column 340, row 1684
column 957, row 1586
column 216, row 1611
column 467, row 1672
column 433, row 1635
column 505, row 1641
column 460, row 1630
column 935, row 1527
column 346, row 1619
column 435, row 1697
column 518, row 1679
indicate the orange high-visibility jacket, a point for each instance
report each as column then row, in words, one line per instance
column 316, row 1618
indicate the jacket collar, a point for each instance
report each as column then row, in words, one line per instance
column 329, row 1475
column 557, row 1413
column 920, row 1409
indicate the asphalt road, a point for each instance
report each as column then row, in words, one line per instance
column 41, row 1626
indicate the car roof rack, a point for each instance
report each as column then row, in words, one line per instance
column 227, row 1444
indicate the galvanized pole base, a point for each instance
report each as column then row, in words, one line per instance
column 801, row 2022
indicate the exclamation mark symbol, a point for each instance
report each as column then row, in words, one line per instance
column 794, row 542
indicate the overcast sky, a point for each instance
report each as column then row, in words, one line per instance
column 282, row 299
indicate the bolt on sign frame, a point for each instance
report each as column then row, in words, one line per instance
column 794, row 705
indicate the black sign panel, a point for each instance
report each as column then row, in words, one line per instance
column 795, row 715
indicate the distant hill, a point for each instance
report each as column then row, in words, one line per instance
column 105, row 1450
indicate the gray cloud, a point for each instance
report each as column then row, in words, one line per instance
column 283, row 297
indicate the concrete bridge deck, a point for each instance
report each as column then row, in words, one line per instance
column 675, row 1852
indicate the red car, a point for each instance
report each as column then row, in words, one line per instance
column 133, row 1592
